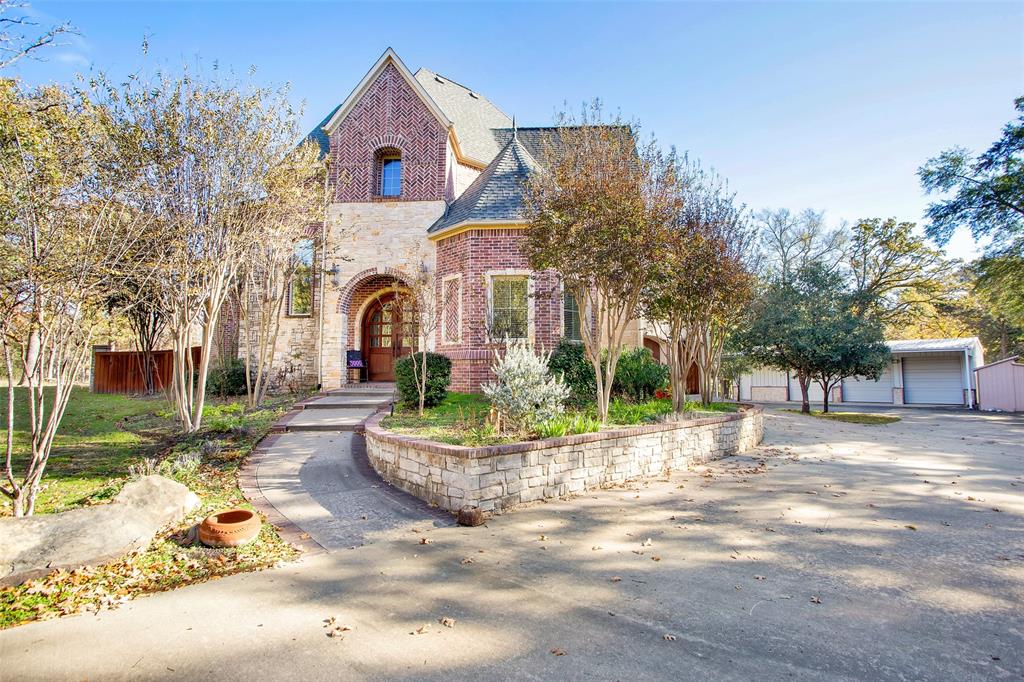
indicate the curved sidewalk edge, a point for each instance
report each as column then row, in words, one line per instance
column 250, row 487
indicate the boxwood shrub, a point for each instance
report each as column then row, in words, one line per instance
column 439, row 377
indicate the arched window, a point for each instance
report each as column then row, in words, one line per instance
column 389, row 173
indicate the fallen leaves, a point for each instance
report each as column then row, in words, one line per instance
column 558, row 652
column 447, row 622
column 815, row 600
column 425, row 541
column 615, row 579
column 668, row 637
column 421, row 630
column 467, row 560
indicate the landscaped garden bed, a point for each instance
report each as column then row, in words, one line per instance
column 105, row 441
column 462, row 419
column 535, row 434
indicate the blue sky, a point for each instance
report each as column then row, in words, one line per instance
column 831, row 106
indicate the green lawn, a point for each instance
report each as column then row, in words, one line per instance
column 852, row 417
column 462, row 418
column 99, row 438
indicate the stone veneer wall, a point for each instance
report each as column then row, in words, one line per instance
column 498, row 477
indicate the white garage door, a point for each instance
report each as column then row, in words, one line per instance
column 933, row 379
column 863, row 390
column 814, row 392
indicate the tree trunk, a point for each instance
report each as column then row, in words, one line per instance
column 824, row 399
column 805, row 405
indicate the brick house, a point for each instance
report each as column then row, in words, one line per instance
column 423, row 172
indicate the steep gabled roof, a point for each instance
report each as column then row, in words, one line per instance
column 472, row 114
column 497, row 193
column 389, row 57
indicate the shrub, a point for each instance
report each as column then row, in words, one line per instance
column 525, row 392
column 222, row 418
column 227, row 378
column 567, row 425
column 638, row 376
column 569, row 362
column 439, row 377
column 651, row 411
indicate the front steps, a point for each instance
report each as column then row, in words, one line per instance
column 343, row 409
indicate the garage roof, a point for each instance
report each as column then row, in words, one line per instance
column 932, row 345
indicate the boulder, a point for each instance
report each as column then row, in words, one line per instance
column 35, row 545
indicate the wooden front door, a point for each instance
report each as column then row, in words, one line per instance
column 382, row 339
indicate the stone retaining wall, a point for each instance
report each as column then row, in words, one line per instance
column 498, row 477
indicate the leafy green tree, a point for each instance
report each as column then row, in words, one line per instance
column 988, row 190
column 892, row 267
column 810, row 325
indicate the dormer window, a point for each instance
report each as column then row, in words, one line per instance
column 390, row 174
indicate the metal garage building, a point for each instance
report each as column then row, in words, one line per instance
column 922, row 372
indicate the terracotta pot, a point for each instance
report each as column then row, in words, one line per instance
column 229, row 528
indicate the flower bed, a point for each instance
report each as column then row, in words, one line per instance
column 497, row 477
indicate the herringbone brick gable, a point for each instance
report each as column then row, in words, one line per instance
column 390, row 115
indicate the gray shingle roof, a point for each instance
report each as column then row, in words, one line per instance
column 472, row 114
column 497, row 193
column 319, row 135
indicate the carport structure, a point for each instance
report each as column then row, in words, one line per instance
column 921, row 372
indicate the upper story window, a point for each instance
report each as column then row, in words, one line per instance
column 391, row 175
column 570, row 318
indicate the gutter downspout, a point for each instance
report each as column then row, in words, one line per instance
column 967, row 378
column 323, row 274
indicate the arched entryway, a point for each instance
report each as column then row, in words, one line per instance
column 386, row 337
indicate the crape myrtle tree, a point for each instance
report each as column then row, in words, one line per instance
column 66, row 246
column 700, row 282
column 289, row 218
column 20, row 36
column 810, row 326
column 416, row 296
column 217, row 158
column 595, row 214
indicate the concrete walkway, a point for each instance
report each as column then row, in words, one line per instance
column 317, row 476
column 834, row 552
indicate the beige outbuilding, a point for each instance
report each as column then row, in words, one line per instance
column 1001, row 385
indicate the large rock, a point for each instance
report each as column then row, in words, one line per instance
column 36, row 545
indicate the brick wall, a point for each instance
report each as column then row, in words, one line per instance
column 499, row 477
column 473, row 254
column 389, row 115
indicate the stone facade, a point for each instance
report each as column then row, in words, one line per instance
column 499, row 477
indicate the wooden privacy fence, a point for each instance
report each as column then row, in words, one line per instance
column 121, row 371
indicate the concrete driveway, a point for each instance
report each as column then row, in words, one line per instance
column 835, row 551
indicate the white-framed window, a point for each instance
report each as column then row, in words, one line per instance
column 300, row 289
column 510, row 314
column 451, row 307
